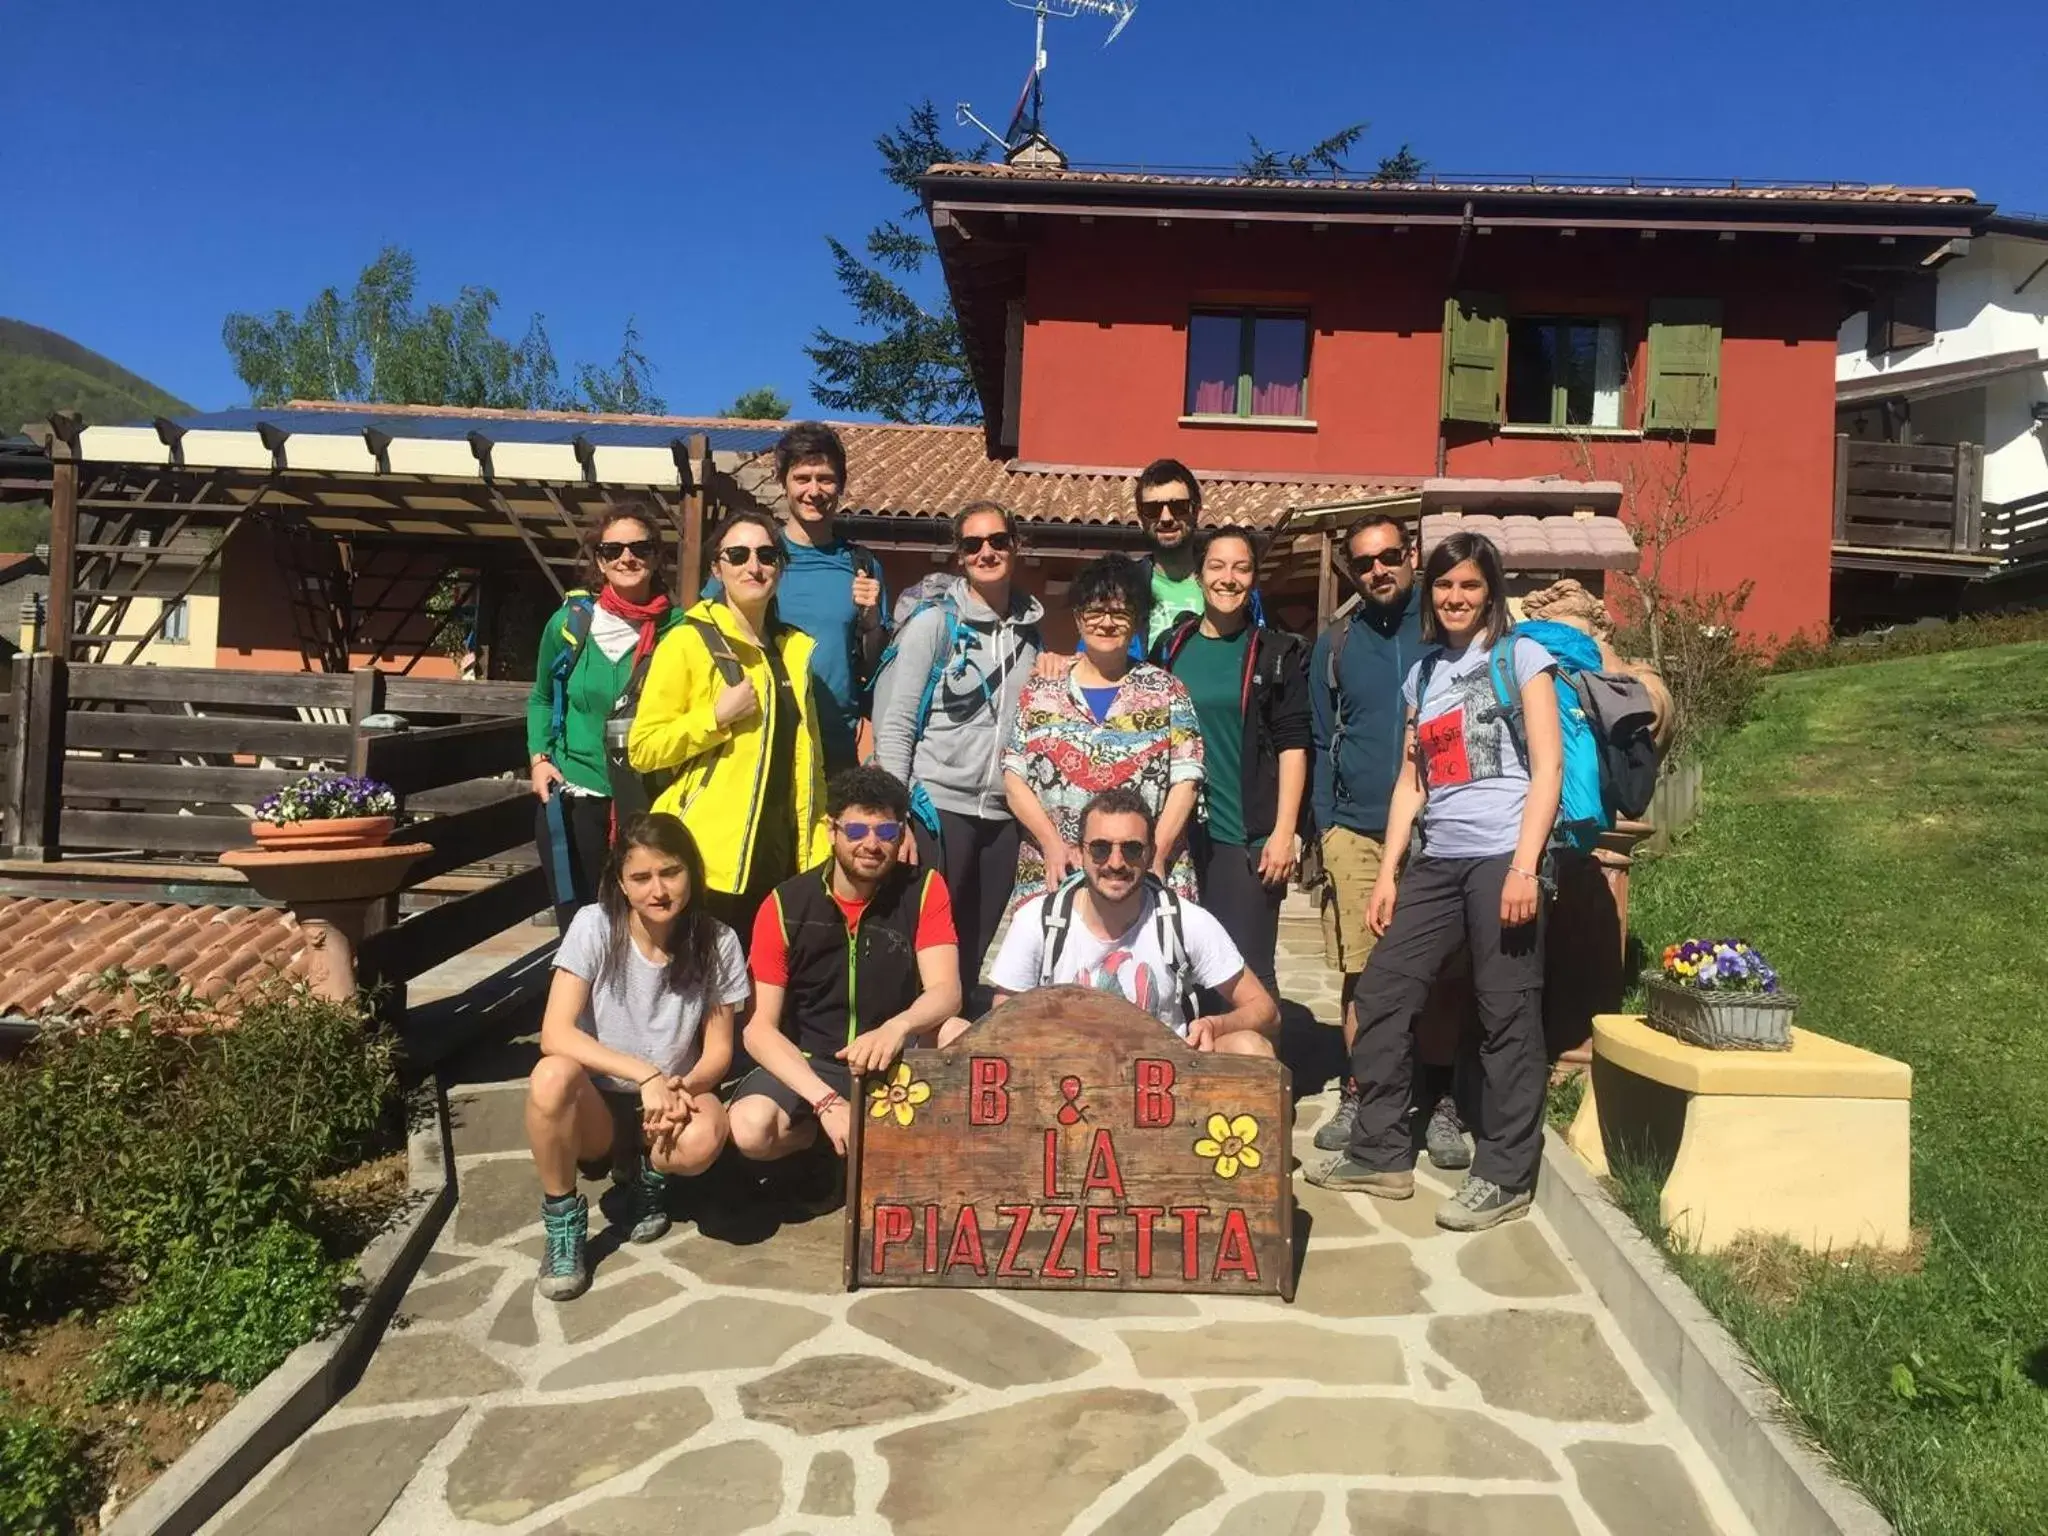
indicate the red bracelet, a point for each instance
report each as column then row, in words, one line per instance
column 826, row 1103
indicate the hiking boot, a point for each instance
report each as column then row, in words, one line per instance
column 564, row 1261
column 1334, row 1134
column 1445, row 1138
column 647, row 1204
column 1481, row 1203
column 1341, row 1173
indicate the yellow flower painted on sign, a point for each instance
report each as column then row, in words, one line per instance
column 1229, row 1142
column 899, row 1096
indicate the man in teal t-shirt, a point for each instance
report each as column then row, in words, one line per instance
column 1169, row 507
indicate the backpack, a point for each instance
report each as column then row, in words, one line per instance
column 581, row 608
column 1604, row 720
column 1057, row 916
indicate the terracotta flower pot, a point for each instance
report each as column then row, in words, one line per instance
column 338, row 832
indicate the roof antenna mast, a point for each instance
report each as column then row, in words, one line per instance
column 1025, row 143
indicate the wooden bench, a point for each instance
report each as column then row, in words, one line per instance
column 1813, row 1143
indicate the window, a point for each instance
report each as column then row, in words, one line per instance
column 177, row 629
column 1564, row 372
column 1901, row 315
column 1247, row 362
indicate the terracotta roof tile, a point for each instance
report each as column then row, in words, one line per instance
column 51, row 950
column 1634, row 189
column 1555, row 543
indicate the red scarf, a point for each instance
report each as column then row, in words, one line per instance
column 647, row 615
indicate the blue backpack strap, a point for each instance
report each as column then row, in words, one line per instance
column 580, row 608
column 563, row 867
column 1507, row 693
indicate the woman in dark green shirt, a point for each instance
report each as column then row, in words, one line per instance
column 589, row 652
column 1250, row 689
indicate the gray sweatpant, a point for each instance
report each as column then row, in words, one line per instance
column 1444, row 902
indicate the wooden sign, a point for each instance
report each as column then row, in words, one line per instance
column 1069, row 1142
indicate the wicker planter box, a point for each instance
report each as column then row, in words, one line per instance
column 1721, row 1021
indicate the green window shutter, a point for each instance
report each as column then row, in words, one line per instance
column 1685, row 366
column 1475, row 357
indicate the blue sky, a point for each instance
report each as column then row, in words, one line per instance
column 683, row 162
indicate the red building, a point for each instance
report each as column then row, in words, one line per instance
column 1320, row 340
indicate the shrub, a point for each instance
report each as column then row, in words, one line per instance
column 46, row 1484
column 1972, row 633
column 1714, row 674
column 179, row 1124
column 218, row 1313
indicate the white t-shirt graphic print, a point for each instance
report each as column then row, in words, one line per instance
column 1130, row 965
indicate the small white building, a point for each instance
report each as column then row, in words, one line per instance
column 1955, row 357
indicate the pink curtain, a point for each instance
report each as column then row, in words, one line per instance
column 1276, row 399
column 1215, row 397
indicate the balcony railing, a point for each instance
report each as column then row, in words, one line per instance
column 1913, row 498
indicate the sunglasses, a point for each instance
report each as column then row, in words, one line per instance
column 1178, row 506
column 1106, row 618
column 737, row 555
column 858, row 831
column 970, row 544
column 613, row 549
column 1100, row 848
column 1390, row 558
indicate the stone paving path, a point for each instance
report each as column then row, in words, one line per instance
column 1423, row 1384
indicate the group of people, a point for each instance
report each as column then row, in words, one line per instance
column 784, row 826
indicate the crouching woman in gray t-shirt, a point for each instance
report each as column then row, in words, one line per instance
column 638, row 1031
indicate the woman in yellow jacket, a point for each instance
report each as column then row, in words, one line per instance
column 726, row 708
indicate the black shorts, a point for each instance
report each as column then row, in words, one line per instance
column 761, row 1083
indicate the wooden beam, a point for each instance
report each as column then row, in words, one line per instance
column 1326, row 580
column 152, row 832
column 1841, row 485
column 213, row 735
column 455, row 696
column 482, row 832
column 40, row 733
column 410, row 761
column 171, row 783
column 63, row 544
column 690, row 565
column 440, row 933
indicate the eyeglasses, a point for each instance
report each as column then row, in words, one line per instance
column 613, row 549
column 1106, row 618
column 970, row 544
column 1390, row 558
column 858, row 831
column 1179, row 506
column 737, row 555
column 1100, row 848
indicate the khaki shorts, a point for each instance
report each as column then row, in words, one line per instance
column 1351, row 863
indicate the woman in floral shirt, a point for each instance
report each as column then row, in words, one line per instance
column 1108, row 721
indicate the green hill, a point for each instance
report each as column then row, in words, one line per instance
column 41, row 372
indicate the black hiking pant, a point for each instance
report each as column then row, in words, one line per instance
column 977, row 856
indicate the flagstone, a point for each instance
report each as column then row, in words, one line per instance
column 1375, row 1280
column 1332, row 1214
column 438, row 1263
column 488, row 1122
column 826, row 1393
column 1619, row 1480
column 1029, row 1467
column 1180, row 1490
column 450, row 1301
column 970, row 1336
column 1375, row 1513
column 1106, row 1303
column 514, row 1324
column 828, row 1489
column 410, row 1367
column 1210, row 1401
column 1267, row 1350
column 340, row 1482
column 1551, row 1364
column 522, row 1459
column 1515, row 1261
column 803, row 1256
column 1414, row 1218
column 611, row 1301
column 718, row 1491
column 1377, row 1436
column 1274, row 1514
column 496, row 1199
column 720, row 1333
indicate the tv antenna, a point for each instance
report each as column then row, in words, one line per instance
column 1026, row 117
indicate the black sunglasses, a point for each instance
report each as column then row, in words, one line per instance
column 1179, row 506
column 639, row 549
column 737, row 555
column 1099, row 850
column 970, row 544
column 1390, row 558
column 857, row 831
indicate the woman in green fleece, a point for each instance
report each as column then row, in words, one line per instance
column 589, row 652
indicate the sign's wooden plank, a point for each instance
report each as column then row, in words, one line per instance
column 1068, row 1142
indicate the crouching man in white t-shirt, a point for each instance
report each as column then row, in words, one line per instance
column 1115, row 929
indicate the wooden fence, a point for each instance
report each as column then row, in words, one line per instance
column 1909, row 496
column 165, row 765
column 2018, row 531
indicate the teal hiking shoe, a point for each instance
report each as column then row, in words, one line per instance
column 648, row 1204
column 565, row 1257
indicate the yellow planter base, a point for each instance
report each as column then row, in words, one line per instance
column 1813, row 1144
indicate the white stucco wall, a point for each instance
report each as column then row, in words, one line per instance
column 1978, row 314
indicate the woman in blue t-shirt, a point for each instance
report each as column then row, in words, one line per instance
column 1484, row 768
column 637, row 1033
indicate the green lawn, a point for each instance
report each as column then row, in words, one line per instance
column 1881, row 832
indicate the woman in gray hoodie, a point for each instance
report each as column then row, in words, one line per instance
column 945, row 700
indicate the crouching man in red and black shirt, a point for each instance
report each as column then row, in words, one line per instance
column 835, row 986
